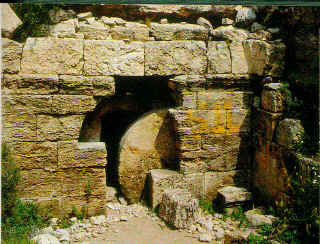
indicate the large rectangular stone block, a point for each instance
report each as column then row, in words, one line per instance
column 211, row 99
column 29, row 84
column 19, row 127
column 58, row 128
column 83, row 181
column 87, row 85
column 191, row 166
column 186, row 99
column 74, row 154
column 219, row 59
column 131, row 30
column 238, row 58
column 11, row 56
column 35, row 155
column 238, row 99
column 113, row 58
column 39, row 183
column 169, row 32
column 32, row 104
column 46, row 55
column 72, row 104
column 175, row 57
column 238, row 120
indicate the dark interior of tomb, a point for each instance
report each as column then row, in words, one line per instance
column 149, row 93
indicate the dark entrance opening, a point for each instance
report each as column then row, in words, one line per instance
column 134, row 97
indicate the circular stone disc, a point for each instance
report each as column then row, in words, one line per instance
column 147, row 144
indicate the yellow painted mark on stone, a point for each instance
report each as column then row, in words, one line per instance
column 227, row 102
column 219, row 129
column 203, row 105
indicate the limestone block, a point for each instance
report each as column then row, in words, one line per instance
column 52, row 56
column 175, row 57
column 19, row 127
column 258, row 219
column 64, row 28
column 205, row 23
column 194, row 183
column 45, row 239
column 78, row 181
column 265, row 123
column 111, row 194
column 187, row 141
column 84, row 16
column 58, row 128
column 193, row 166
column 289, row 132
column 29, row 84
column 34, row 155
column 261, row 35
column 112, row 21
column 186, row 99
column 230, row 33
column 72, row 104
column 11, row 56
column 170, row 32
column 192, row 83
column 215, row 180
column 159, row 181
column 32, row 104
column 238, row 57
column 131, row 30
column 179, row 208
column 96, row 204
column 238, row 99
column 265, row 58
column 39, row 183
column 74, row 154
column 273, row 97
column 245, row 15
column 147, row 144
column 238, row 120
column 211, row 99
column 219, row 60
column 87, row 85
column 114, row 58
column 213, row 146
column 232, row 195
column 95, row 31
column 9, row 21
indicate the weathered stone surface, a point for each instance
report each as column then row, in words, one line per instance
column 111, row 194
column 186, row 99
column 74, row 154
column 57, row 15
column 183, row 83
column 9, row 21
column 169, row 32
column 289, row 132
column 46, row 239
column 227, row 80
column 65, row 28
column 227, row 21
column 159, row 181
column 114, row 58
column 39, row 183
column 78, row 181
column 258, row 219
column 230, row 33
column 175, row 57
column 237, row 99
column 232, row 195
column 112, row 21
column 147, row 144
column 31, row 104
column 211, row 99
column 29, row 84
column 58, row 128
column 95, row 31
column 132, row 31
column 178, row 208
column 218, row 57
column 83, row 16
column 52, row 56
column 215, row 180
column 72, row 104
column 205, row 23
column 34, row 155
column 11, row 56
column 239, row 61
column 19, row 127
column 273, row 97
column 238, row 120
column 264, row 58
column 87, row 85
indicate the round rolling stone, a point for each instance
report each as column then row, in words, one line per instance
column 147, row 144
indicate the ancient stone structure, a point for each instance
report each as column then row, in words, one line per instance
column 56, row 89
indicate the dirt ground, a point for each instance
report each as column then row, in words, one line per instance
column 142, row 230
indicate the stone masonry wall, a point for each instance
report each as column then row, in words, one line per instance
column 50, row 83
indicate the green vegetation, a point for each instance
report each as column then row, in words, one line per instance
column 206, row 206
column 19, row 219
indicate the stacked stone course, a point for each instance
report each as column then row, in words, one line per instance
column 50, row 84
